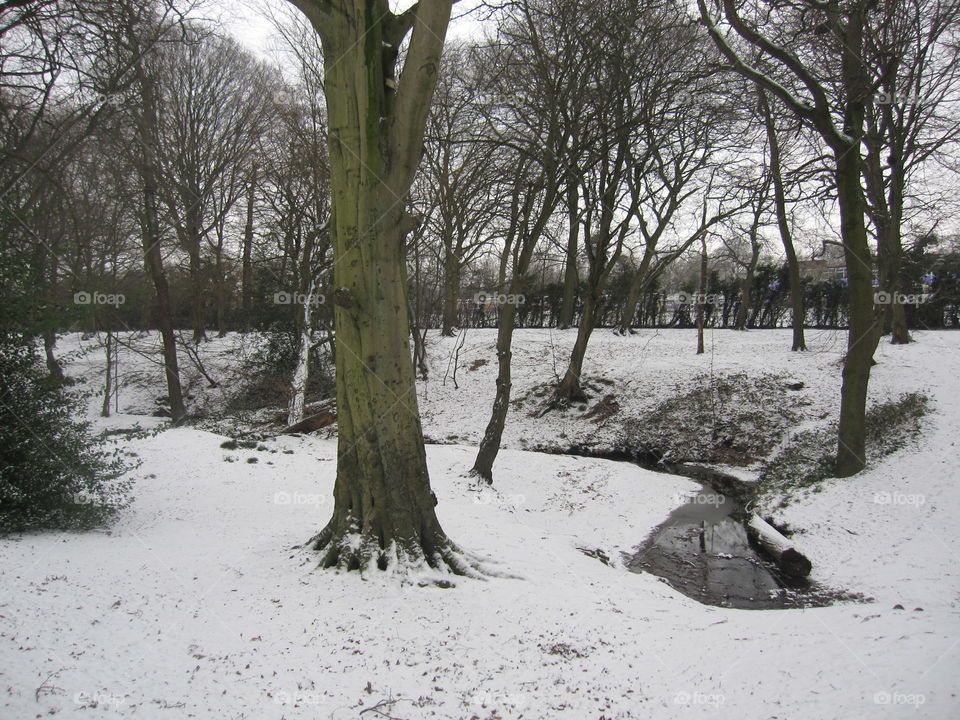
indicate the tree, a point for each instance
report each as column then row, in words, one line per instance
column 831, row 100
column 384, row 511
column 458, row 176
column 783, row 222
column 912, row 46
column 211, row 112
column 536, row 101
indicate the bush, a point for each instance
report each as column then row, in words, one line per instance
column 269, row 370
column 733, row 419
column 53, row 473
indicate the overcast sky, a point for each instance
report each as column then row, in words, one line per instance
column 244, row 19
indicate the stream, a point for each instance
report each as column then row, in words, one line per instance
column 702, row 549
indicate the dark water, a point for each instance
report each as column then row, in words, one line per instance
column 703, row 551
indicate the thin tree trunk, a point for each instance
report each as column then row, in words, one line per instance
column 194, row 239
column 107, row 383
column 301, row 375
column 783, row 223
column 490, row 444
column 702, row 300
column 451, row 289
column 570, row 388
column 153, row 258
column 246, row 273
column 570, row 275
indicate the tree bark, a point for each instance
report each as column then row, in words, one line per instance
column 570, row 275
column 246, row 272
column 153, row 258
column 783, row 224
column 383, row 514
column 702, row 300
column 451, row 289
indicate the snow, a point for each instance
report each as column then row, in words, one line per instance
column 197, row 604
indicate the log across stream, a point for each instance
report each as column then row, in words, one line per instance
column 715, row 550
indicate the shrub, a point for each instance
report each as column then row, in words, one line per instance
column 54, row 474
column 733, row 419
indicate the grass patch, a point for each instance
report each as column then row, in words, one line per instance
column 809, row 458
column 734, row 419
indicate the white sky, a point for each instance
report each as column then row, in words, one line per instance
column 245, row 21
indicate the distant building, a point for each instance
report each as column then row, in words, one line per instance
column 829, row 267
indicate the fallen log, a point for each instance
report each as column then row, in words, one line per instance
column 791, row 561
column 312, row 423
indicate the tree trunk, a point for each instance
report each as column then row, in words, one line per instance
column 107, row 383
column 451, row 289
column 783, row 223
column 301, row 374
column 490, row 444
column 702, row 300
column 153, row 258
column 383, row 514
column 570, row 275
column 864, row 332
column 570, row 388
column 194, row 240
column 53, row 366
column 740, row 323
column 246, row 273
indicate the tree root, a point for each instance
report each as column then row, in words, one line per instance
column 410, row 560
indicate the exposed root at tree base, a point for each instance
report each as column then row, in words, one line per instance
column 433, row 563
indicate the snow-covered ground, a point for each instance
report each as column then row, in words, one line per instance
column 195, row 605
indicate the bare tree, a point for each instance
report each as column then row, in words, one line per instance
column 211, row 114
column 829, row 92
column 384, row 515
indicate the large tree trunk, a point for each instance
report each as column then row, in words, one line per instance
column 864, row 333
column 153, row 258
column 383, row 514
column 783, row 223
